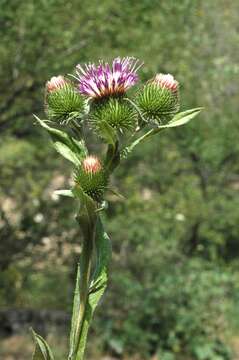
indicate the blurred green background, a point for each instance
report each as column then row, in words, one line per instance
column 173, row 291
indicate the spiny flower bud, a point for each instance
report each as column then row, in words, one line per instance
column 56, row 83
column 92, row 178
column 118, row 113
column 63, row 102
column 159, row 98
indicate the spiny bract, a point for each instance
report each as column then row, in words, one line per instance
column 157, row 103
column 65, row 104
column 92, row 178
column 116, row 112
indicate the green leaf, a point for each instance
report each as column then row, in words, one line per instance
column 112, row 158
column 75, row 313
column 42, row 350
column 87, row 211
column 116, row 193
column 70, row 148
column 103, row 256
column 65, row 192
column 182, row 118
column 108, row 133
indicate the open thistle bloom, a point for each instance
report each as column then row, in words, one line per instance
column 92, row 178
column 159, row 98
column 63, row 102
column 103, row 80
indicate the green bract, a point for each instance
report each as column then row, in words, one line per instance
column 93, row 184
column 65, row 104
column 116, row 112
column 157, row 103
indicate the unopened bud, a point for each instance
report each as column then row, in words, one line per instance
column 56, row 83
column 166, row 81
column 92, row 164
column 92, row 178
column 63, row 102
column 159, row 98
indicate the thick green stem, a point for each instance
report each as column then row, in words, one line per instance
column 85, row 272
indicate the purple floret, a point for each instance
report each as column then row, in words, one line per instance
column 101, row 80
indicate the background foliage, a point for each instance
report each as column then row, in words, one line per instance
column 173, row 291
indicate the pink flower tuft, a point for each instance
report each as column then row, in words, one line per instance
column 101, row 80
column 166, row 81
column 56, row 83
column 92, row 164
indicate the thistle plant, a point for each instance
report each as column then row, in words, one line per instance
column 96, row 97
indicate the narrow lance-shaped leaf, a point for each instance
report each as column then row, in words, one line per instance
column 179, row 119
column 65, row 192
column 87, row 211
column 182, row 118
column 42, row 350
column 112, row 158
column 70, row 148
column 75, row 313
column 103, row 255
column 108, row 133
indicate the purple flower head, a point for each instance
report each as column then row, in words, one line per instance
column 97, row 81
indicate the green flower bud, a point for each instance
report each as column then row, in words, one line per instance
column 159, row 99
column 92, row 178
column 118, row 113
column 63, row 101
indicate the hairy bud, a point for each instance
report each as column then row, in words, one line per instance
column 159, row 98
column 63, row 102
column 92, row 178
